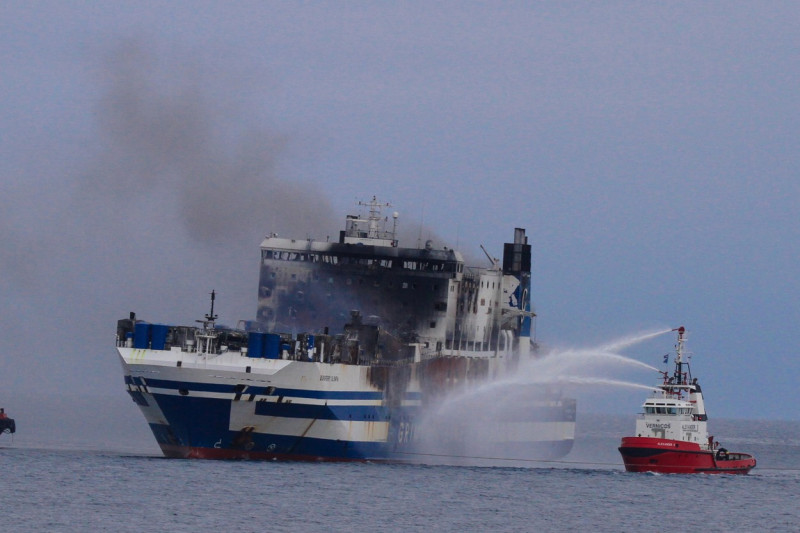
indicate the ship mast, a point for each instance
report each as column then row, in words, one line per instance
column 680, row 377
column 374, row 215
column 206, row 339
column 208, row 323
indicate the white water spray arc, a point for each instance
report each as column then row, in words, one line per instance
column 458, row 425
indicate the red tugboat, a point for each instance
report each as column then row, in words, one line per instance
column 671, row 434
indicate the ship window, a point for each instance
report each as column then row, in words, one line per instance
column 671, row 410
column 433, row 324
column 405, row 285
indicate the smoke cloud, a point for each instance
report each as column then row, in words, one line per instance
column 170, row 132
column 168, row 197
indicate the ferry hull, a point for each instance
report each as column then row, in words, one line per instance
column 665, row 456
column 269, row 413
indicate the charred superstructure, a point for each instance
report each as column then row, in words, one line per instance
column 420, row 295
column 353, row 341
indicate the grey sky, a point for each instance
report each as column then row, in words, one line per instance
column 651, row 151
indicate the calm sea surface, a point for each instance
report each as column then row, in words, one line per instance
column 62, row 489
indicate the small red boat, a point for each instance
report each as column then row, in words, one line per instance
column 672, row 434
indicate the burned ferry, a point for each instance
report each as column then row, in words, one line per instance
column 356, row 349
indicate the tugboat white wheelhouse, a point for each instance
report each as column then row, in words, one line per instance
column 353, row 343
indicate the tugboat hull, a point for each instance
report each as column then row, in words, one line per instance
column 7, row 425
column 665, row 456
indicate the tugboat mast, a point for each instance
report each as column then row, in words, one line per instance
column 680, row 377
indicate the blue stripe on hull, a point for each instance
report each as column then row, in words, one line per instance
column 323, row 412
column 260, row 390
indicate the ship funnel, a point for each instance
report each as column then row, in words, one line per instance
column 696, row 397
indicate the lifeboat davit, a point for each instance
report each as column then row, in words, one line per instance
column 672, row 433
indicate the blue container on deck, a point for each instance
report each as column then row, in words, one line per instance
column 158, row 336
column 141, row 335
column 255, row 344
column 272, row 348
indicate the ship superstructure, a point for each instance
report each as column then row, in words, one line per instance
column 422, row 295
column 353, row 342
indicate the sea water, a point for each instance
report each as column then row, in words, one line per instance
column 69, row 489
